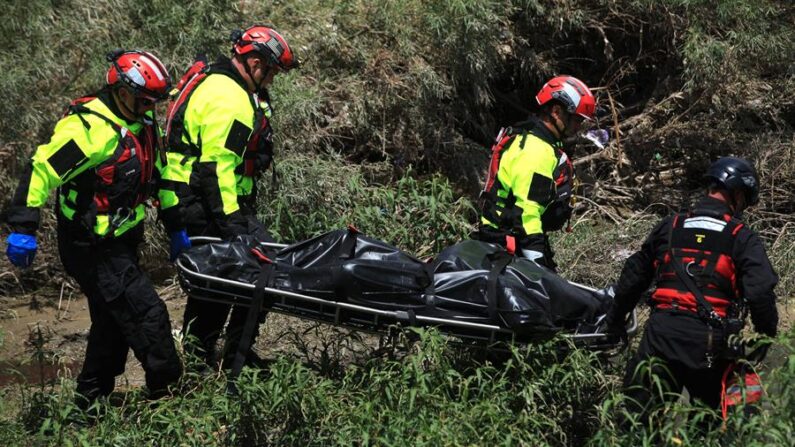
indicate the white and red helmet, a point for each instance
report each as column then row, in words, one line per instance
column 141, row 72
column 572, row 93
column 266, row 41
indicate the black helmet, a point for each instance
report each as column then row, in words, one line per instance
column 733, row 173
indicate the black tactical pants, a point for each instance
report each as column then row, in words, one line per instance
column 126, row 313
column 672, row 356
column 703, row 385
column 204, row 321
column 203, row 324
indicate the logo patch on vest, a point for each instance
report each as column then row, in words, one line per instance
column 700, row 238
column 237, row 138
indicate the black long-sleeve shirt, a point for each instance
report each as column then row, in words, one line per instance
column 756, row 278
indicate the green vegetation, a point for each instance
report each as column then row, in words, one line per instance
column 316, row 194
column 425, row 393
column 386, row 126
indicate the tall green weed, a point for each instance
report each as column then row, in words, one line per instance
column 430, row 395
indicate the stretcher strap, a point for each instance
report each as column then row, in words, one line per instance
column 348, row 247
column 497, row 267
column 263, row 281
column 412, row 317
column 510, row 245
column 430, row 289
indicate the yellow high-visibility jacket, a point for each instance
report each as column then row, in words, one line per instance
column 220, row 144
column 81, row 142
column 534, row 177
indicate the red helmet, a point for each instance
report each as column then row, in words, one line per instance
column 571, row 92
column 139, row 71
column 267, row 42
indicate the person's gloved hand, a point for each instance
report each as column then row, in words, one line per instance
column 21, row 249
column 616, row 333
column 615, row 327
column 179, row 243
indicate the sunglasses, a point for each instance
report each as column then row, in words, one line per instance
column 146, row 102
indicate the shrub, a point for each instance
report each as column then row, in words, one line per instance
column 316, row 195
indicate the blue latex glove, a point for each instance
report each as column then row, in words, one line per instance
column 21, row 249
column 179, row 243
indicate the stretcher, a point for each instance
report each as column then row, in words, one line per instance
column 355, row 316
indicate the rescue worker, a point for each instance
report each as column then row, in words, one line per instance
column 708, row 268
column 219, row 143
column 101, row 158
column 529, row 188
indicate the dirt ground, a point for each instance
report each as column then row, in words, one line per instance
column 53, row 325
column 43, row 336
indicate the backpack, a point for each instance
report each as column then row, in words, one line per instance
column 175, row 114
column 259, row 148
column 487, row 200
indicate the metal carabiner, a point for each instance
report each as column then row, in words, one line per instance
column 687, row 269
column 118, row 219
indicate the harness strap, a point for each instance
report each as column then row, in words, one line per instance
column 704, row 309
column 79, row 109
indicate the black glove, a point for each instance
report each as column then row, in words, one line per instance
column 556, row 215
column 615, row 326
column 616, row 333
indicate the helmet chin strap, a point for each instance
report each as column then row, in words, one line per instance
column 731, row 201
column 737, row 209
column 554, row 120
column 257, row 85
column 123, row 105
column 248, row 72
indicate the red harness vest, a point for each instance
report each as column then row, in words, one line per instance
column 703, row 245
column 125, row 180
